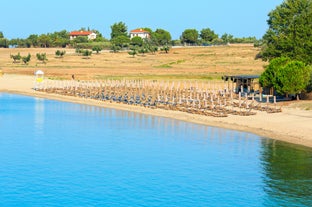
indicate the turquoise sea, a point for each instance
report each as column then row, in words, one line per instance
column 63, row 154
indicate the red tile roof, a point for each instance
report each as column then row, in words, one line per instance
column 80, row 33
column 138, row 31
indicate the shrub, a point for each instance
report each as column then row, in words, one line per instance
column 97, row 49
column 26, row 59
column 59, row 53
column 42, row 57
column 16, row 58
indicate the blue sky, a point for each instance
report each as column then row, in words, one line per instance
column 242, row 18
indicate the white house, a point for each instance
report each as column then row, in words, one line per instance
column 89, row 34
column 139, row 33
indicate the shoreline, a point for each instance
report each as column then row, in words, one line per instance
column 291, row 125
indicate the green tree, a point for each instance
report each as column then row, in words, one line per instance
column 42, row 57
column 121, row 41
column 190, row 36
column 86, row 53
column 148, row 30
column 143, row 50
column 165, row 48
column 160, row 37
column 60, row 53
column 80, row 39
column 227, row 38
column 289, row 33
column 286, row 76
column 208, row 35
column 17, row 42
column 119, row 29
column 16, row 58
column 153, row 49
column 62, row 34
column 26, row 59
column 59, row 39
column 150, row 46
column 115, row 48
column 61, row 42
column 33, row 40
column 217, row 41
column 4, row 42
column 133, row 51
column 97, row 49
column 136, row 41
column 14, row 42
column 78, row 50
column 294, row 77
column 245, row 40
column 44, row 40
column 269, row 78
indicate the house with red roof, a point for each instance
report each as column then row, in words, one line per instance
column 139, row 33
column 74, row 34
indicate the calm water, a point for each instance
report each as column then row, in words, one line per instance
column 63, row 154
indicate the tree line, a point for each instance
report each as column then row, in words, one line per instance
column 119, row 38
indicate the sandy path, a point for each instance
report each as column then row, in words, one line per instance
column 292, row 125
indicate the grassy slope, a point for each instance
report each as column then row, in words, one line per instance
column 199, row 63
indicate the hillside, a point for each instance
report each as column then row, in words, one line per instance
column 180, row 63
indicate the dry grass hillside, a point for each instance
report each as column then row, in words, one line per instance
column 185, row 63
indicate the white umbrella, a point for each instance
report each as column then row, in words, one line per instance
column 39, row 72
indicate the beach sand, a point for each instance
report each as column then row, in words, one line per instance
column 292, row 125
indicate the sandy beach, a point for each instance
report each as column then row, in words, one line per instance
column 292, row 125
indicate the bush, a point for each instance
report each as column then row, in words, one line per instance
column 286, row 76
column 86, row 53
column 26, row 59
column 133, row 51
column 97, row 49
column 16, row 58
column 59, row 53
column 165, row 48
column 78, row 50
column 42, row 57
column 115, row 48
